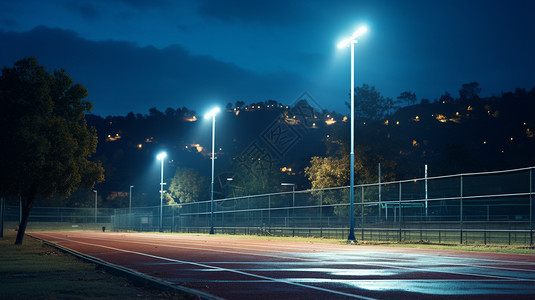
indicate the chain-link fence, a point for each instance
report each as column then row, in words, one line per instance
column 485, row 208
column 59, row 218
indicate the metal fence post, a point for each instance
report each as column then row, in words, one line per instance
column 269, row 211
column 362, row 212
column 531, row 207
column 461, row 212
column 379, row 186
column 399, row 213
column 321, row 213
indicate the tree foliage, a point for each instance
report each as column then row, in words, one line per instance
column 45, row 139
column 407, row 96
column 188, row 186
column 255, row 173
column 369, row 103
column 326, row 172
column 469, row 91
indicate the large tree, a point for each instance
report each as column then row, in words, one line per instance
column 369, row 103
column 188, row 186
column 46, row 143
column 470, row 91
column 407, row 96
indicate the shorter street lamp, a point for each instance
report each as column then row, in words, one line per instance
column 130, row 208
column 161, row 156
column 211, row 114
column 96, row 197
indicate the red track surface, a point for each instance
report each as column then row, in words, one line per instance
column 239, row 268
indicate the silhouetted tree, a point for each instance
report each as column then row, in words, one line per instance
column 407, row 96
column 446, row 98
column 155, row 113
column 169, row 112
column 469, row 91
column 45, row 139
column 369, row 103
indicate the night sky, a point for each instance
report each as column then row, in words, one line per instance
column 133, row 54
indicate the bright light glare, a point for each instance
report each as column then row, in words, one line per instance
column 212, row 113
column 362, row 30
column 161, row 156
column 343, row 44
column 346, row 42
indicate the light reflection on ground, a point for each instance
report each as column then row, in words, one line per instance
column 479, row 277
column 433, row 287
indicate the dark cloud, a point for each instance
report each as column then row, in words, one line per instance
column 9, row 23
column 88, row 11
column 123, row 77
column 145, row 3
column 85, row 10
column 273, row 12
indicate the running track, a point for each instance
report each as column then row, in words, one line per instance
column 240, row 268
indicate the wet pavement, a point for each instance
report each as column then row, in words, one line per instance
column 239, row 268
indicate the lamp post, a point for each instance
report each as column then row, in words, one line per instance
column 351, row 41
column 212, row 114
column 96, row 198
column 161, row 156
column 130, row 207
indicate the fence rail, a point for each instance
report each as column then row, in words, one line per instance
column 58, row 218
column 487, row 208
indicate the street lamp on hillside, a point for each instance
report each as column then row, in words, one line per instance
column 351, row 41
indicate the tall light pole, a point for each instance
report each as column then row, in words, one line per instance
column 130, row 207
column 130, row 194
column 161, row 156
column 96, row 198
column 351, row 41
column 212, row 114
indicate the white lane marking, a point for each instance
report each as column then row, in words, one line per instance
column 386, row 265
column 226, row 270
column 200, row 248
column 216, row 242
column 326, row 251
column 352, row 250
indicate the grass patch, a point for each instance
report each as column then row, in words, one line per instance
column 35, row 270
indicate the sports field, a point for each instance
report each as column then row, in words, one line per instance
column 240, row 268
